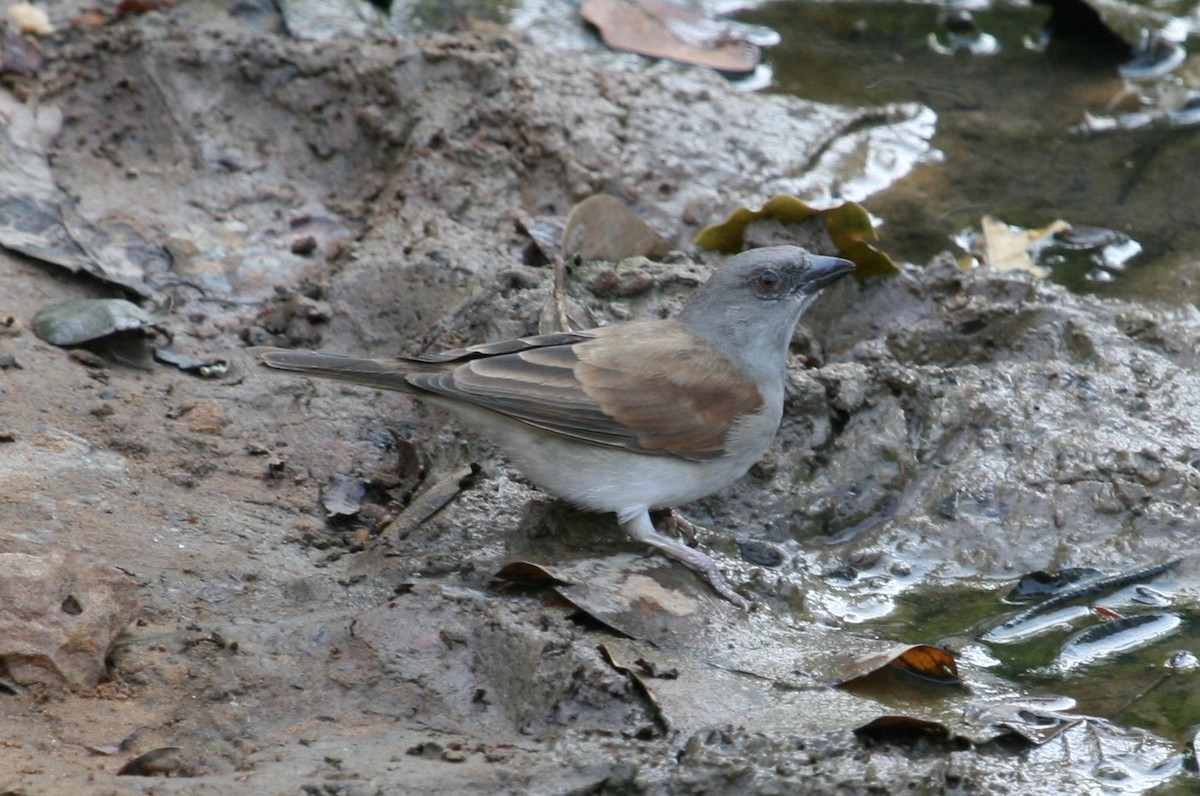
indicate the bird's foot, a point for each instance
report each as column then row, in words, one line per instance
column 639, row 527
column 674, row 523
column 722, row 587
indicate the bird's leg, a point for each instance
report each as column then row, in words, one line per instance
column 639, row 527
column 675, row 523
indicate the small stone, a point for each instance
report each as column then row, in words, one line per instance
column 304, row 245
column 82, row 320
column 203, row 417
column 30, row 19
column 499, row 753
column 455, row 752
column 59, row 616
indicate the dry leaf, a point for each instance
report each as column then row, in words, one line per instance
column 848, row 226
column 1007, row 248
column 924, row 661
column 30, row 19
column 650, row 28
column 899, row 729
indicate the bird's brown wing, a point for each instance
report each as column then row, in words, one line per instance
column 650, row 387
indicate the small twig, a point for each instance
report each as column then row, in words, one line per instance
column 560, row 295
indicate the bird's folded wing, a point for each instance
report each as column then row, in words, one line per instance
column 483, row 350
column 652, row 387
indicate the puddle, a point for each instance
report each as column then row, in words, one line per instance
column 1152, row 687
column 1005, row 126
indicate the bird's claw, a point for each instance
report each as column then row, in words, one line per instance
column 639, row 527
column 674, row 523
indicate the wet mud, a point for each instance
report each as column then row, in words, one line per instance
column 281, row 630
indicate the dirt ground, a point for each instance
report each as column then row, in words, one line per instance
column 167, row 538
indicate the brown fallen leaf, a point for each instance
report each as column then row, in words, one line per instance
column 602, row 227
column 900, row 729
column 527, row 573
column 650, row 27
column 921, row 660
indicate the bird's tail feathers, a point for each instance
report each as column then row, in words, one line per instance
column 382, row 373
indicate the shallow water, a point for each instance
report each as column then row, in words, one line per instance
column 1144, row 687
column 1006, row 127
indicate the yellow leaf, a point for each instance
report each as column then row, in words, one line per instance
column 1006, row 248
column 848, row 226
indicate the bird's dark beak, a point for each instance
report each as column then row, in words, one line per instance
column 824, row 271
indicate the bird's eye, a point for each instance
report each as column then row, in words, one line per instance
column 767, row 280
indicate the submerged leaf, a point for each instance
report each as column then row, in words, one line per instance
column 848, row 226
column 1037, row 720
column 1041, row 583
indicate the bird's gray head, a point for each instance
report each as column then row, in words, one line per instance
column 750, row 305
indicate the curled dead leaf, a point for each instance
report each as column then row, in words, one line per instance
column 920, row 660
column 602, row 227
column 900, row 729
column 526, row 573
column 848, row 226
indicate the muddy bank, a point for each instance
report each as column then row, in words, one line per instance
column 940, row 426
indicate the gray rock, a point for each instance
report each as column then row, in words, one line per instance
column 59, row 616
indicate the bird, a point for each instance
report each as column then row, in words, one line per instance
column 634, row 416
